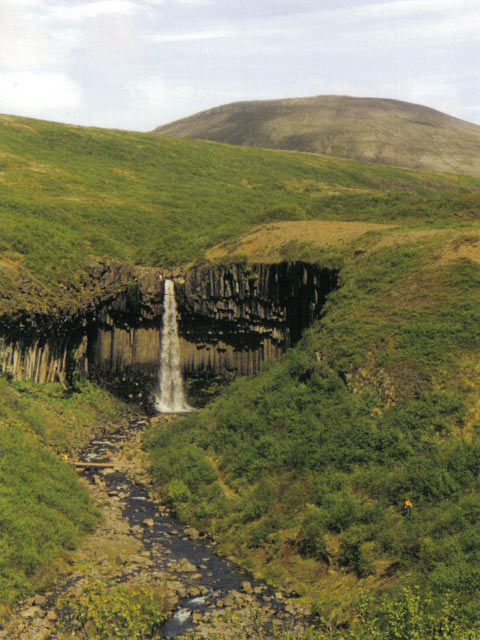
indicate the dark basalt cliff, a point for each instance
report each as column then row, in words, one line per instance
column 231, row 318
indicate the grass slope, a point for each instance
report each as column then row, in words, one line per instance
column 69, row 193
column 378, row 403
column 44, row 511
column 368, row 129
column 302, row 471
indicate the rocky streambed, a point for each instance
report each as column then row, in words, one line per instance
column 138, row 542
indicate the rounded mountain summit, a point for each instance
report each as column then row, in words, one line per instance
column 368, row 129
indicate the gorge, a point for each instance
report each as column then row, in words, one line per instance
column 297, row 473
column 231, row 319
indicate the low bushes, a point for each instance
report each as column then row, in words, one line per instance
column 320, row 451
column 122, row 612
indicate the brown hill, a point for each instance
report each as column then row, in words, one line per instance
column 370, row 129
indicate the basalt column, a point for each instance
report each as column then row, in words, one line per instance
column 125, row 333
column 235, row 317
column 231, row 319
column 43, row 348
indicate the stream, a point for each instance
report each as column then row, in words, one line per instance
column 206, row 583
column 139, row 542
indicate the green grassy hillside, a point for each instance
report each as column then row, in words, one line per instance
column 69, row 193
column 44, row 511
column 301, row 472
column 368, row 129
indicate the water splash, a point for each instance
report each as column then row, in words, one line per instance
column 169, row 395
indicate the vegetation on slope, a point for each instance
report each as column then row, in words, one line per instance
column 69, row 193
column 44, row 511
column 121, row 612
column 369, row 129
column 378, row 403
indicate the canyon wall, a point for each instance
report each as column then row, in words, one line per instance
column 43, row 359
column 231, row 319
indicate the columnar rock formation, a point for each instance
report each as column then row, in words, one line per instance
column 231, row 318
column 41, row 359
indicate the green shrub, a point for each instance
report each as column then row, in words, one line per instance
column 44, row 511
column 311, row 540
column 354, row 553
column 376, row 403
column 187, row 462
column 116, row 613
column 341, row 511
column 414, row 615
column 284, row 212
column 177, row 492
column 259, row 501
column 254, row 510
column 264, row 532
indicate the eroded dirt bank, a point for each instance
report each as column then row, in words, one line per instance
column 139, row 543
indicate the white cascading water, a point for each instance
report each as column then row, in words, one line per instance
column 169, row 396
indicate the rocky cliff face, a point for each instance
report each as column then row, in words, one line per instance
column 43, row 358
column 53, row 346
column 231, row 319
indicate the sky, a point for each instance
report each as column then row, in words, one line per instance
column 136, row 64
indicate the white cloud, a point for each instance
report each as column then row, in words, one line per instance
column 25, row 42
column 434, row 91
column 159, row 101
column 445, row 32
column 408, row 8
column 88, row 10
column 242, row 32
column 342, row 31
column 112, row 42
column 197, row 2
column 417, row 50
column 152, row 89
column 26, row 4
column 31, row 92
column 437, row 92
column 220, row 34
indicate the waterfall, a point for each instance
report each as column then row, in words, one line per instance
column 169, row 396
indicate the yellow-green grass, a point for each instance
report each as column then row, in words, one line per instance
column 69, row 193
column 377, row 403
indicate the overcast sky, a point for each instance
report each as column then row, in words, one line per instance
column 135, row 64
